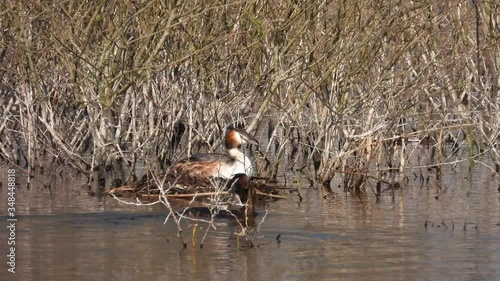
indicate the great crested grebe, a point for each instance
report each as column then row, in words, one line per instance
column 220, row 165
column 243, row 198
column 243, row 194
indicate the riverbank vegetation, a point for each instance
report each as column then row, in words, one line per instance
column 337, row 87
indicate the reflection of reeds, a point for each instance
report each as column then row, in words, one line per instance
column 107, row 87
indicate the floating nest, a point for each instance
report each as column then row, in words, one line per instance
column 184, row 186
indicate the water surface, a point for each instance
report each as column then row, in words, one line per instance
column 64, row 234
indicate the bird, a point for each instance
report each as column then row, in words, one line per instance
column 242, row 199
column 243, row 194
column 225, row 166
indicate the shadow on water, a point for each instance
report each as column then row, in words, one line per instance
column 63, row 235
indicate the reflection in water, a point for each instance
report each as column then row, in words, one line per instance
column 65, row 236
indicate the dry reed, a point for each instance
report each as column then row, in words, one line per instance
column 108, row 86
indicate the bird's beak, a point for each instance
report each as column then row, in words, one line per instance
column 247, row 138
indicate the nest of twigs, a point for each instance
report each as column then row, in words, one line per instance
column 184, row 186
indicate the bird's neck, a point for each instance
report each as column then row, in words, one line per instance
column 236, row 154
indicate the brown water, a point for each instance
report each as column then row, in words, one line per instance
column 63, row 235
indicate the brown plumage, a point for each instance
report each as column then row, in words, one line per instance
column 244, row 195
